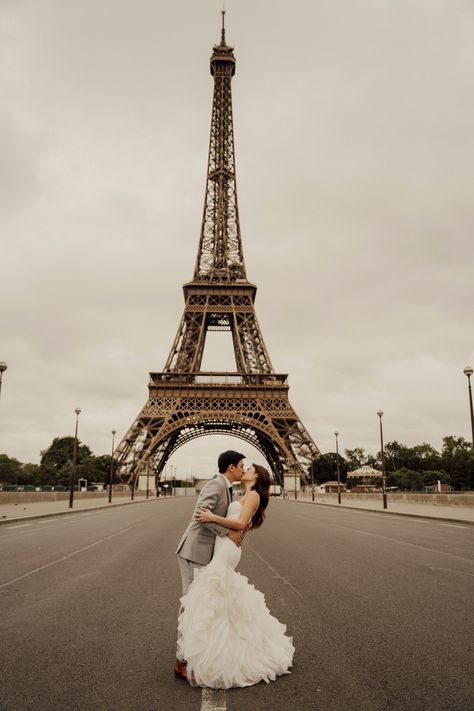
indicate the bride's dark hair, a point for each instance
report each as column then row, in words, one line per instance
column 261, row 486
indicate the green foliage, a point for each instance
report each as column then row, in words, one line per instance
column 14, row 472
column 458, row 459
column 418, row 458
column 56, row 461
column 324, row 468
column 102, row 469
column 30, row 474
column 10, row 469
column 406, row 479
column 409, row 468
column 56, row 465
column 432, row 477
column 355, row 458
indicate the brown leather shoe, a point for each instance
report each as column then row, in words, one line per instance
column 180, row 670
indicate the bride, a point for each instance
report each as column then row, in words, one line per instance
column 226, row 632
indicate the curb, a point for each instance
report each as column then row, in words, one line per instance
column 5, row 521
column 384, row 512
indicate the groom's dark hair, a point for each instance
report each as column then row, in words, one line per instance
column 228, row 458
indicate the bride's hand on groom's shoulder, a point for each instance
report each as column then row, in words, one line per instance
column 203, row 515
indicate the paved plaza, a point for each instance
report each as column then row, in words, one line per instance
column 380, row 608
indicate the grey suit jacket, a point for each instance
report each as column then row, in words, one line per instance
column 197, row 543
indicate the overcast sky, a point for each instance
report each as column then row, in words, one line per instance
column 355, row 169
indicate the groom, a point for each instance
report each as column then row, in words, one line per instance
column 196, row 547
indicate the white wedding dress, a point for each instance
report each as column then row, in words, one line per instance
column 225, row 631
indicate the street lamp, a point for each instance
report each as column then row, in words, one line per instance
column 384, row 493
column 111, row 472
column 74, row 461
column 467, row 371
column 336, row 434
column 147, row 475
column 3, row 367
column 133, row 476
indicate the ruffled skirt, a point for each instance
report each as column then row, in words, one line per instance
column 226, row 633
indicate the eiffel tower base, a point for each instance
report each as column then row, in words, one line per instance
column 184, row 406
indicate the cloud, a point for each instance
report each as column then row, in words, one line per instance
column 355, row 171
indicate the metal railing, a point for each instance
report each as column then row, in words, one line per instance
column 219, row 378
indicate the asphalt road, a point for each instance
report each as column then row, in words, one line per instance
column 380, row 609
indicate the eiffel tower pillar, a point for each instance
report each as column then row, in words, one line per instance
column 250, row 401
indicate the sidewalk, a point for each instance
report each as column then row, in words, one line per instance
column 460, row 514
column 9, row 513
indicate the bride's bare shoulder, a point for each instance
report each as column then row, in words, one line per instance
column 251, row 496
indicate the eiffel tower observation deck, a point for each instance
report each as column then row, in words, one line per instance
column 250, row 402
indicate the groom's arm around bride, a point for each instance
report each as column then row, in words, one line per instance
column 196, row 547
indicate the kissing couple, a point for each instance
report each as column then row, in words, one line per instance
column 226, row 634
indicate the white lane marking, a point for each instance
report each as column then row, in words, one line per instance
column 276, row 574
column 47, row 520
column 70, row 517
column 452, row 525
column 452, row 570
column 213, row 700
column 20, row 525
column 69, row 555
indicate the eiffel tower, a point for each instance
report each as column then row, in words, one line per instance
column 251, row 402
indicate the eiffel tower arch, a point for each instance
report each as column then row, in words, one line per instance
column 250, row 402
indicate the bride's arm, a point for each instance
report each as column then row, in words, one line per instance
column 251, row 504
column 208, row 499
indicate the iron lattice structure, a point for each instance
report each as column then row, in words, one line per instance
column 252, row 402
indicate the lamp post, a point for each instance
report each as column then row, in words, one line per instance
column 133, row 476
column 111, row 472
column 147, row 475
column 382, row 452
column 336, row 434
column 3, row 367
column 468, row 372
column 74, row 461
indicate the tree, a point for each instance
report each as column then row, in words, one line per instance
column 457, row 459
column 29, row 474
column 418, row 458
column 396, row 456
column 355, row 458
column 101, row 469
column 10, row 469
column 324, row 468
column 425, row 457
column 406, row 479
column 430, row 478
column 56, row 461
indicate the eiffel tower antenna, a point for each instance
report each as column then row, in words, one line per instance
column 223, row 26
column 251, row 401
